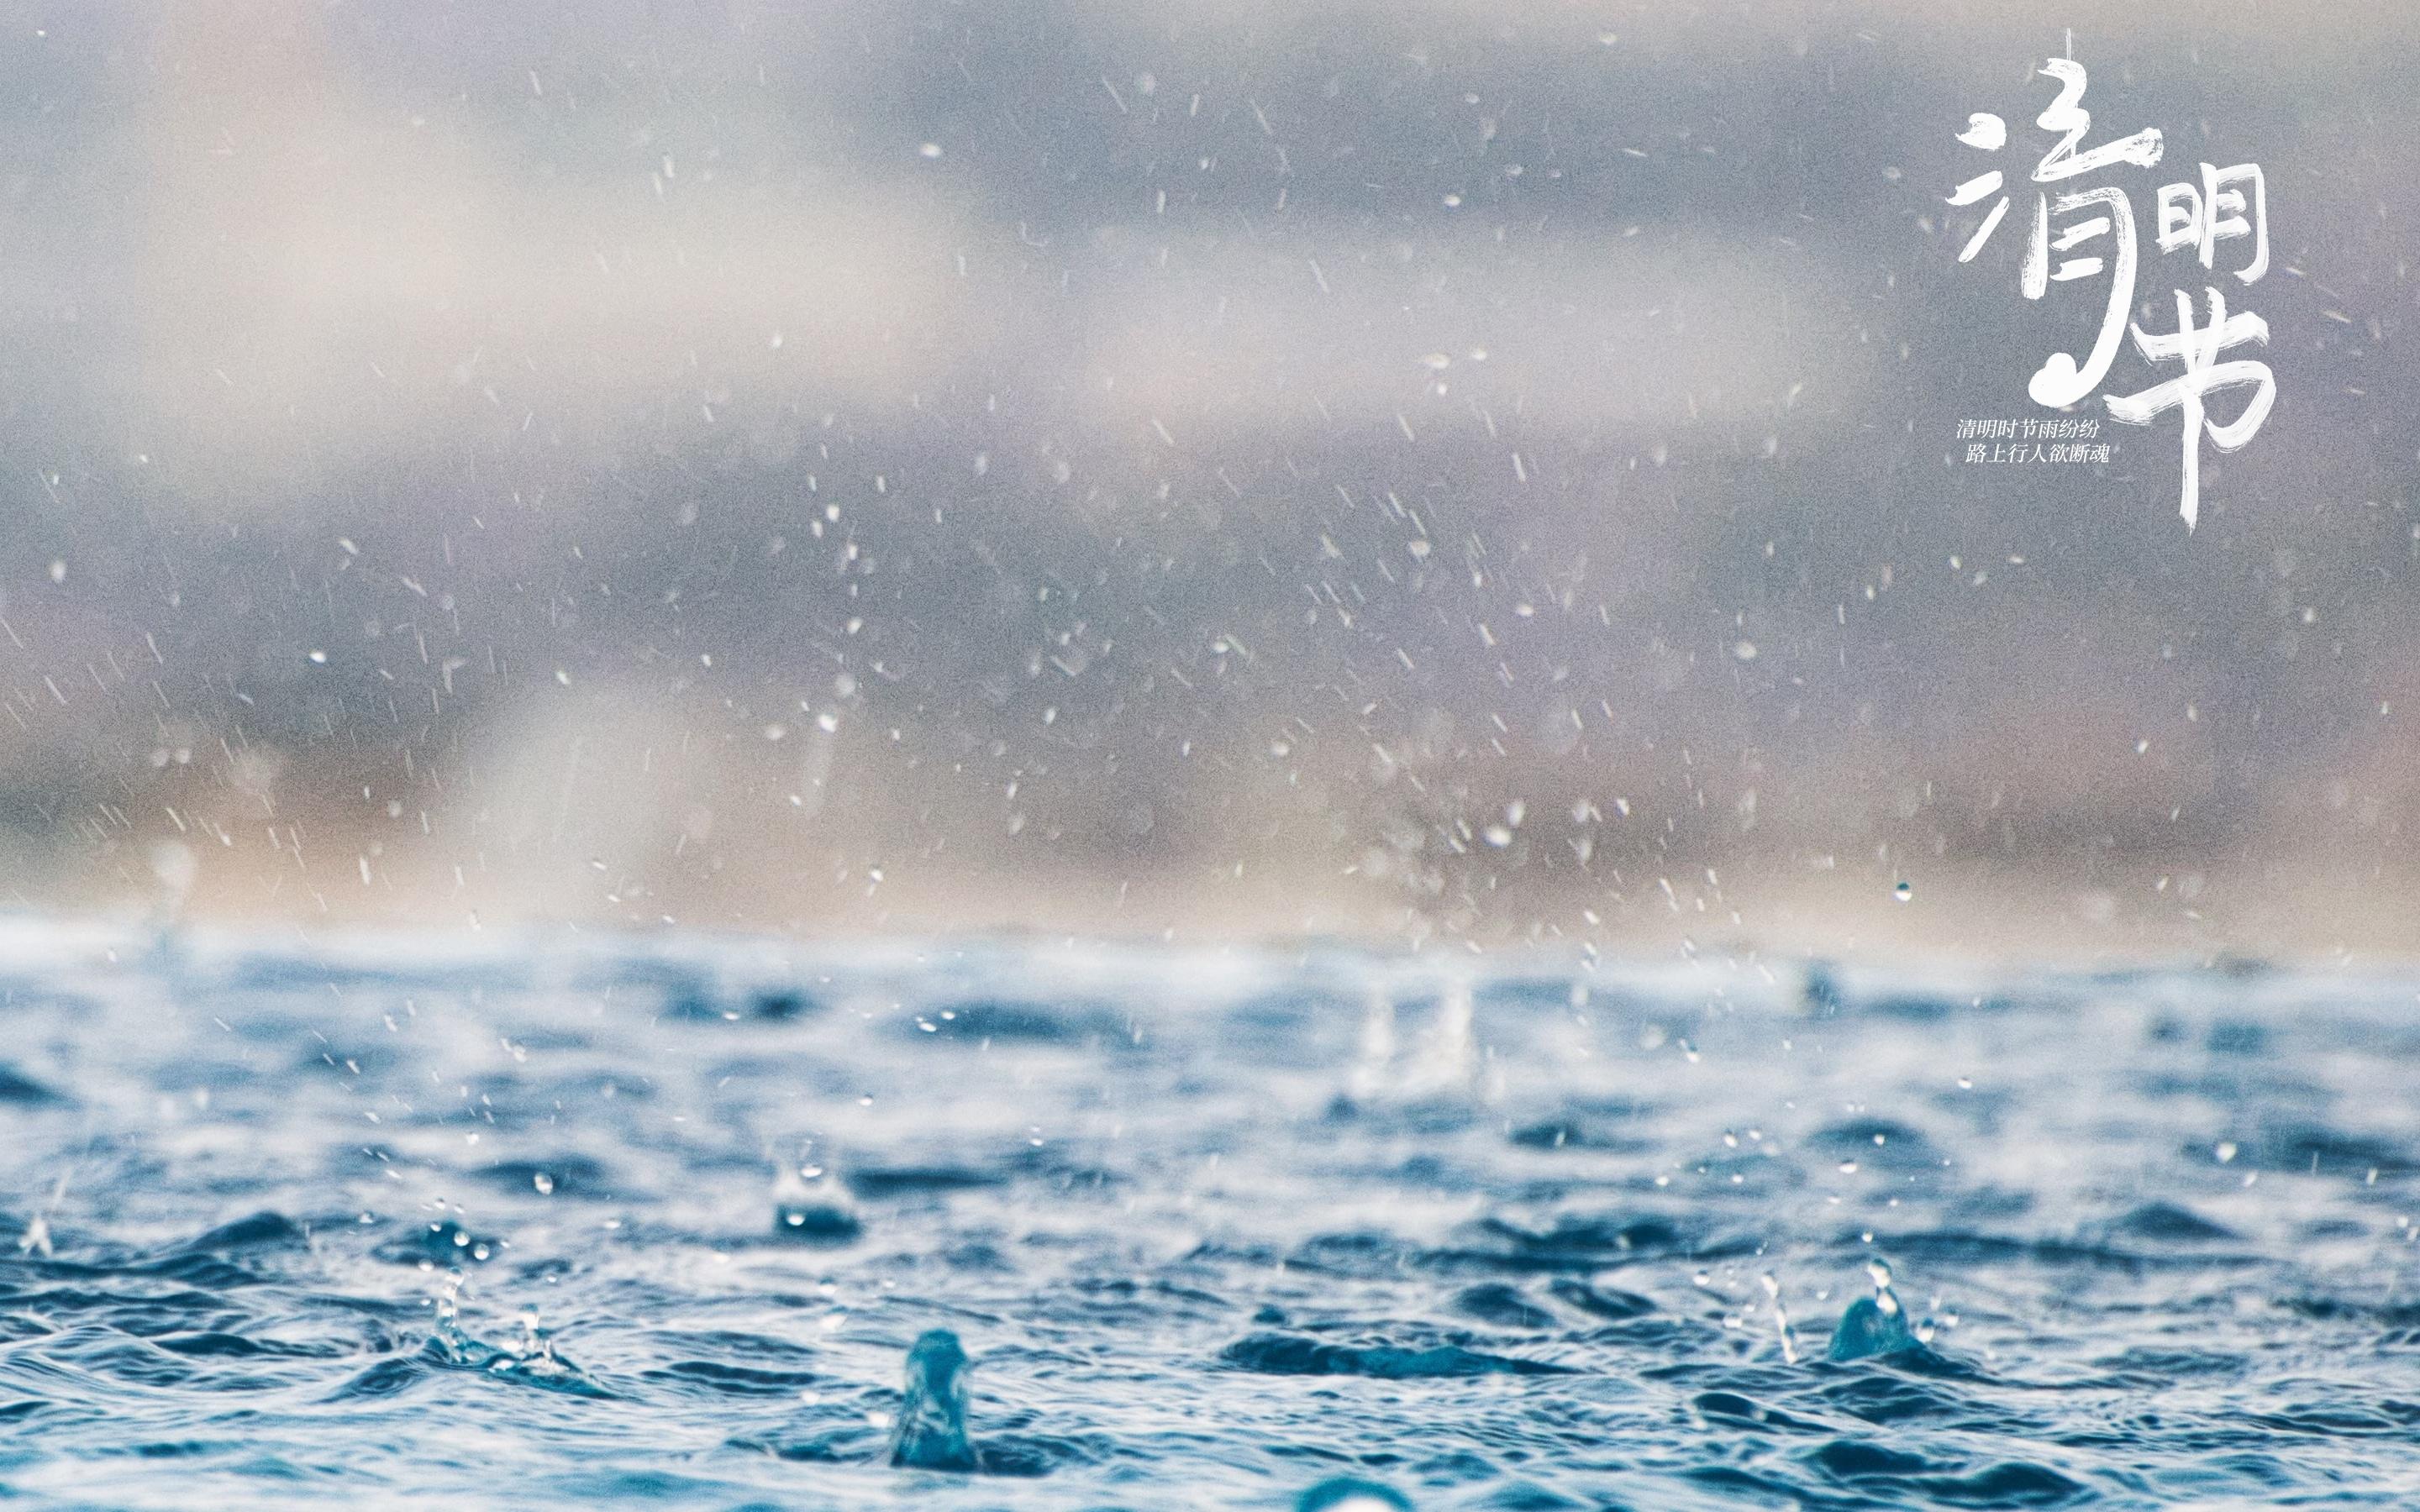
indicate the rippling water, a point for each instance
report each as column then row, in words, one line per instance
column 653, row 1221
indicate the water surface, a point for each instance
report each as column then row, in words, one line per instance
column 585, row 1222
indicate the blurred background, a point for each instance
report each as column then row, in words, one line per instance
column 1438, row 471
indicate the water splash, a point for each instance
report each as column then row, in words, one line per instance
column 810, row 1207
column 1374, row 1062
column 1875, row 1325
column 1788, row 1335
column 931, row 1429
column 532, row 1362
column 1447, row 1061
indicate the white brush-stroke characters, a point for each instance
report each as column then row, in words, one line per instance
column 2097, row 225
column 2204, row 217
column 2204, row 373
column 2061, row 381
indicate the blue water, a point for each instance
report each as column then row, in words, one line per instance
column 575, row 1223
